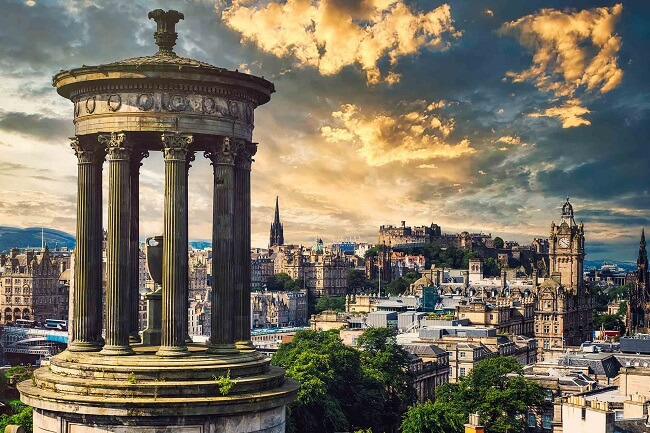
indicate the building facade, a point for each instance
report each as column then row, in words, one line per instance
column 30, row 287
column 277, row 230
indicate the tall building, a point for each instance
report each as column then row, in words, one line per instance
column 30, row 288
column 277, row 231
column 638, row 306
column 563, row 316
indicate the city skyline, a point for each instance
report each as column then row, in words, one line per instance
column 471, row 116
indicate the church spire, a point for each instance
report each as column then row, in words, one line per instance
column 277, row 231
column 643, row 254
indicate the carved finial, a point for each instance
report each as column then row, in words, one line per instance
column 166, row 31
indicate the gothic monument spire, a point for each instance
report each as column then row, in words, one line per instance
column 277, row 231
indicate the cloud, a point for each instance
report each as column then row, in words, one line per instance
column 508, row 139
column 416, row 134
column 488, row 12
column 36, row 125
column 332, row 34
column 574, row 54
column 571, row 114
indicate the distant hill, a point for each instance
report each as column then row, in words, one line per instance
column 199, row 244
column 13, row 237
column 628, row 266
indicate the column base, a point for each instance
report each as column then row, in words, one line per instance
column 222, row 349
column 84, row 346
column 117, row 350
column 172, row 351
column 244, row 345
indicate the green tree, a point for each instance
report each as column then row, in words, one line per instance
column 386, row 362
column 4, row 383
column 491, row 268
column 21, row 415
column 401, row 284
column 334, row 303
column 372, row 252
column 335, row 395
column 283, row 282
column 432, row 417
column 497, row 391
column 17, row 373
column 355, row 280
column 611, row 322
column 498, row 243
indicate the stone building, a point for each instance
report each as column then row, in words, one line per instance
column 323, row 271
column 198, row 275
column 430, row 369
column 277, row 309
column 30, row 287
column 404, row 236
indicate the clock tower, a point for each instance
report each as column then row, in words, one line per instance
column 564, row 305
column 567, row 250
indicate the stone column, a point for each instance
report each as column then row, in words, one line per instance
column 243, row 244
column 134, row 305
column 174, row 277
column 118, row 267
column 222, row 338
column 86, row 329
column 191, row 156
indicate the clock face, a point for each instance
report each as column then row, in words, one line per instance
column 564, row 242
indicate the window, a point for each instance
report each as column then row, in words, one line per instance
column 462, row 371
column 547, row 344
column 451, row 371
column 532, row 420
column 462, row 354
column 547, row 421
column 584, row 413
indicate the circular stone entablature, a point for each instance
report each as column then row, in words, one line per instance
column 163, row 92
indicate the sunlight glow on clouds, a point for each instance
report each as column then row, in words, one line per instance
column 574, row 53
column 417, row 134
column 333, row 34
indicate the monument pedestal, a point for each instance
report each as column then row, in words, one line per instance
column 199, row 393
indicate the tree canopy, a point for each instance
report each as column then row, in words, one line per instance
column 334, row 303
column 498, row 243
column 341, row 387
column 283, row 282
column 495, row 389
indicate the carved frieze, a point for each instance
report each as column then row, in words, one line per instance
column 167, row 102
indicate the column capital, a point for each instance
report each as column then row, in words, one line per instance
column 118, row 147
column 87, row 152
column 137, row 156
column 176, row 146
column 223, row 152
column 245, row 155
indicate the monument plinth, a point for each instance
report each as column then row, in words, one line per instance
column 115, row 383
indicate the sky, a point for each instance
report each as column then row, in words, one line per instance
column 474, row 115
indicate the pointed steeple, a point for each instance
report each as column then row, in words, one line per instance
column 643, row 254
column 277, row 231
column 276, row 220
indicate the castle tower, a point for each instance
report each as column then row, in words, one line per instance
column 118, row 383
column 277, row 231
column 638, row 306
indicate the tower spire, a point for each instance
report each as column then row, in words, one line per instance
column 277, row 231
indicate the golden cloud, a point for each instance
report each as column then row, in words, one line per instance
column 418, row 134
column 574, row 53
column 333, row 34
column 571, row 114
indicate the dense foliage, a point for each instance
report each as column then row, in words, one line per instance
column 283, row 282
column 611, row 322
column 334, row 303
column 21, row 415
column 495, row 389
column 451, row 257
column 343, row 388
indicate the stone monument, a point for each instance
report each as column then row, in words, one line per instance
column 115, row 382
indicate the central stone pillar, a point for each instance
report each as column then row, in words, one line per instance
column 174, row 278
column 222, row 338
column 118, row 246
column 87, row 316
column 134, row 305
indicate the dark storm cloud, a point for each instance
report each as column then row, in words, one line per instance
column 40, row 127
